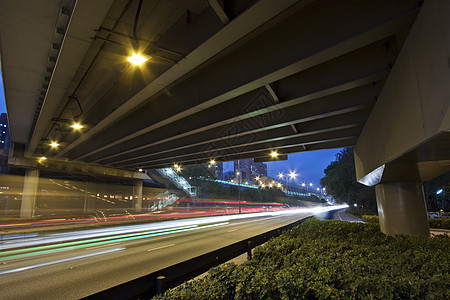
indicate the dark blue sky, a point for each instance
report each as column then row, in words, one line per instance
column 309, row 165
column 2, row 98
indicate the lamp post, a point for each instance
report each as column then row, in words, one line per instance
column 292, row 175
column 439, row 192
column 239, row 187
column 280, row 175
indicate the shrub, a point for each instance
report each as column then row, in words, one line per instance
column 332, row 259
column 360, row 212
column 441, row 223
column 370, row 219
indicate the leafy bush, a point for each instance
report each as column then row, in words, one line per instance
column 370, row 218
column 332, row 259
column 360, row 212
column 441, row 223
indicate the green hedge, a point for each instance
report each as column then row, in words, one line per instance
column 360, row 212
column 332, row 260
column 441, row 223
column 370, row 218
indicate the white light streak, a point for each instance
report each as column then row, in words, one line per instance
column 60, row 261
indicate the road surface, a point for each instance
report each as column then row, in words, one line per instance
column 76, row 264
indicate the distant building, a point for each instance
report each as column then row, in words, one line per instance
column 4, row 143
column 219, row 170
column 248, row 169
column 228, row 176
column 4, row 132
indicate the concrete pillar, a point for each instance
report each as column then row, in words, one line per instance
column 137, row 194
column 402, row 208
column 30, row 186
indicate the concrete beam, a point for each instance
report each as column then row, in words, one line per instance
column 413, row 107
column 73, row 167
column 219, row 121
column 249, row 21
column 337, row 104
column 86, row 19
column 262, row 148
column 316, row 145
column 29, row 194
column 327, row 126
column 239, row 65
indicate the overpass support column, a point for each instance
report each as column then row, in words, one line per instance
column 29, row 193
column 402, row 208
column 405, row 140
column 137, row 194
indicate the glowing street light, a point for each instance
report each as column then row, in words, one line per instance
column 137, row 59
column 76, row 126
column 54, row 144
column 280, row 175
column 212, row 162
column 274, row 154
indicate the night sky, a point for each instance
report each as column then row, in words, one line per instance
column 309, row 165
column 2, row 98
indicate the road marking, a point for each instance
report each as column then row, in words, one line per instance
column 162, row 247
column 61, row 260
column 339, row 215
column 101, row 246
column 231, row 230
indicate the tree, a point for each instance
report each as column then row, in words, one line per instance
column 436, row 202
column 340, row 182
column 196, row 171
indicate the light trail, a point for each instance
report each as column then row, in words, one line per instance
column 97, row 242
column 140, row 229
column 60, row 261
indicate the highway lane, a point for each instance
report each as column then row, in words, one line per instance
column 77, row 272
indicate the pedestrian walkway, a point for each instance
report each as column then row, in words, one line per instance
column 341, row 215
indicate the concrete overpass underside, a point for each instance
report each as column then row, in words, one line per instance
column 229, row 80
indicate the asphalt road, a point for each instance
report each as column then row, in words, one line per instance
column 88, row 261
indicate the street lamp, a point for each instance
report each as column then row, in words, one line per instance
column 239, row 187
column 440, row 191
column 292, row 175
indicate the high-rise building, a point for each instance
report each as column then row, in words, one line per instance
column 219, row 170
column 4, row 132
column 249, row 169
column 4, row 143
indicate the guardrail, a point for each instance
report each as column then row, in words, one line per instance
column 147, row 286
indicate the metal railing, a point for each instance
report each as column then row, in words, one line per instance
column 178, row 181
